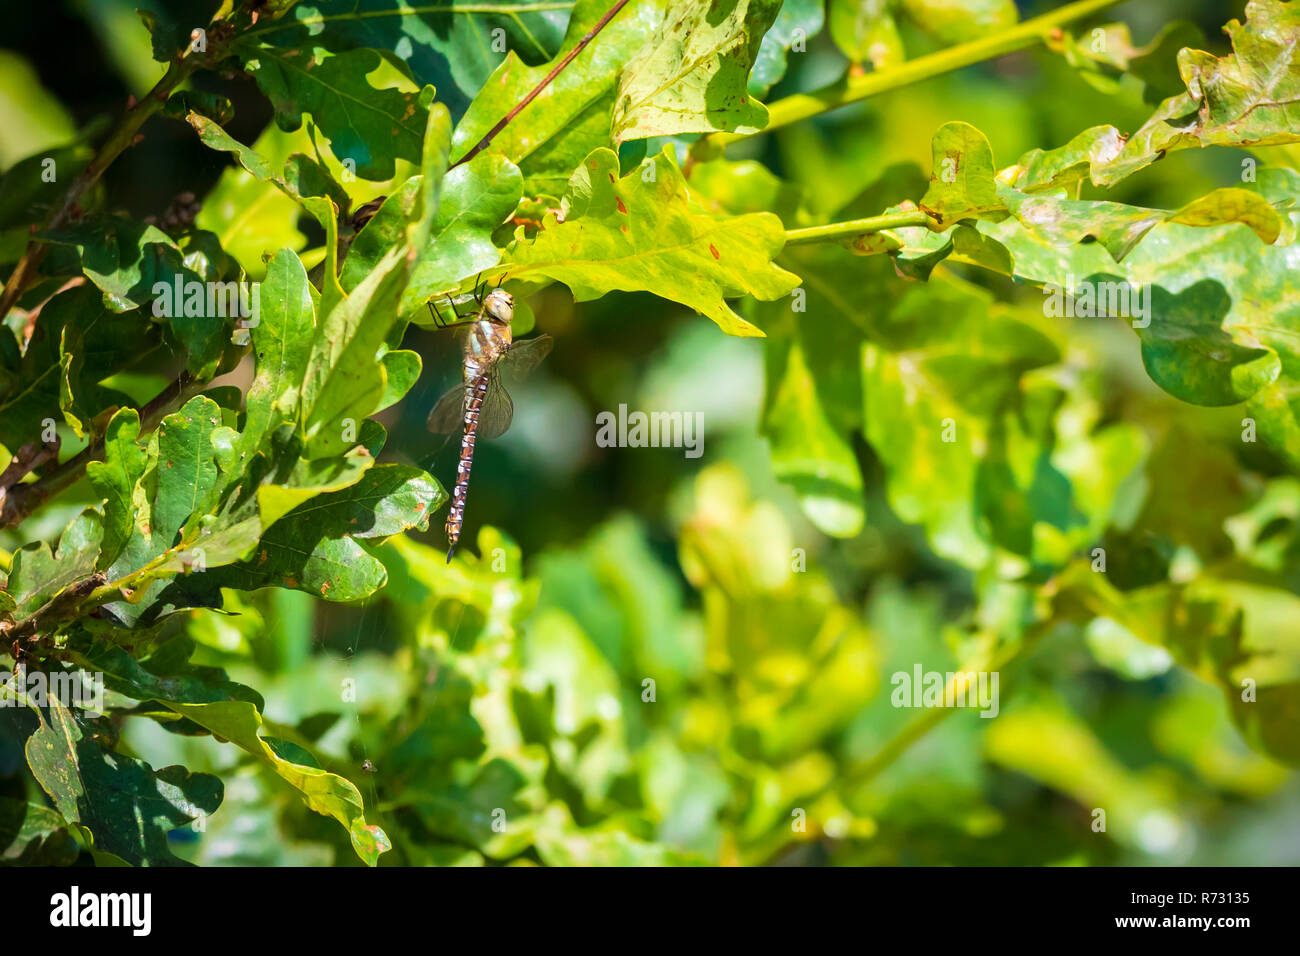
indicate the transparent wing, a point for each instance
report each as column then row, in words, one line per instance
column 498, row 410
column 446, row 417
column 525, row 356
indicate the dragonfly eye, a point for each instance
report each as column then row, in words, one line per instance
column 500, row 304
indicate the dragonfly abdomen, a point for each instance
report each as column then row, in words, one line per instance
column 475, row 391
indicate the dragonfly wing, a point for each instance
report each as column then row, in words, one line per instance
column 525, row 356
column 446, row 417
column 498, row 410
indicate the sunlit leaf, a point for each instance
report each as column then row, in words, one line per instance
column 646, row 234
column 693, row 76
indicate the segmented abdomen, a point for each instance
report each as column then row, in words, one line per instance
column 475, row 391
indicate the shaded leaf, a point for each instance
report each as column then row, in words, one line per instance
column 123, row 805
column 476, row 198
column 34, row 835
column 367, row 127
column 281, row 343
column 796, row 23
column 115, row 480
column 37, row 575
column 451, row 46
column 313, row 547
column 326, row 793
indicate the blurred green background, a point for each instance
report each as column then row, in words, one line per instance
column 500, row 710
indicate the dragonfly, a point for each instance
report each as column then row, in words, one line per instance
column 481, row 405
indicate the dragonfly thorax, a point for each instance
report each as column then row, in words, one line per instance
column 489, row 337
column 487, row 341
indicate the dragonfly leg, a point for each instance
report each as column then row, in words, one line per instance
column 442, row 323
column 437, row 316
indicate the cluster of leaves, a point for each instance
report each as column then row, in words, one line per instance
column 602, row 708
column 1032, row 474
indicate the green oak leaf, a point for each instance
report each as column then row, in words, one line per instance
column 344, row 381
column 34, row 835
column 38, row 575
column 693, row 76
column 239, row 723
column 309, row 479
column 314, row 547
column 957, row 21
column 866, row 31
column 962, row 184
column 116, row 480
column 1041, row 169
column 281, row 344
column 550, row 137
column 1119, row 227
column 166, row 675
column 1231, row 204
column 1190, row 355
column 643, row 233
column 795, row 25
column 402, row 369
column 366, row 127
column 435, row 161
column 186, row 467
column 127, row 261
column 123, row 805
column 1248, row 98
column 476, row 198
column 76, row 344
column 453, row 46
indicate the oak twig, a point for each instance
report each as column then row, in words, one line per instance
column 23, row 499
column 858, row 227
column 802, row 106
column 125, row 135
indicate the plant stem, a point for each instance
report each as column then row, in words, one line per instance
column 802, row 106
column 113, row 147
column 546, row 81
column 22, row 500
column 127, row 133
column 857, row 227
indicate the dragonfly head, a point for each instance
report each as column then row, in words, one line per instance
column 499, row 305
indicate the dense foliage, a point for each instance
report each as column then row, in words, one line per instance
column 1003, row 376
